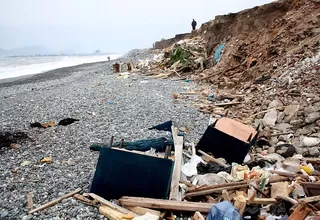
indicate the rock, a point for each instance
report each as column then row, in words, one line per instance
column 303, row 131
column 3, row 213
column 271, row 150
column 271, row 117
column 316, row 135
column 312, row 117
column 27, row 217
column 281, row 116
column 15, row 146
column 275, row 103
column 314, row 108
column 283, row 127
column 314, row 152
column 302, row 151
column 296, row 122
column 259, row 150
column 182, row 129
column 310, row 141
column 56, row 218
column 290, row 111
column 273, row 141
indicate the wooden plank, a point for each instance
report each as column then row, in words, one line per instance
column 287, row 174
column 207, row 157
column 225, row 195
column 142, row 211
column 113, row 214
column 240, row 204
column 217, row 190
column 111, row 205
column 84, row 200
column 288, row 199
column 197, row 216
column 142, row 153
column 262, row 201
column 178, row 147
column 166, row 204
column 201, row 188
column 279, row 189
column 310, row 199
column 56, row 201
column 30, row 201
column 300, row 213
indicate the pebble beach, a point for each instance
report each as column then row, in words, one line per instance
column 105, row 104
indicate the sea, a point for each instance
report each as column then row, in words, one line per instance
column 16, row 66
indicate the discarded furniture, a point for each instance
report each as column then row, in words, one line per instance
column 122, row 173
column 228, row 139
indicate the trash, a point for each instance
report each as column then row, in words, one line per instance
column 46, row 160
column 209, row 179
column 149, row 176
column 218, row 54
column 264, row 137
column 45, row 125
column 91, row 113
column 251, row 211
column 224, row 211
column 225, row 136
column 25, row 163
column 280, row 208
column 166, row 126
column 211, row 97
column 190, row 169
column 159, row 144
column 212, row 167
column 67, row 121
column 285, row 150
column 146, row 216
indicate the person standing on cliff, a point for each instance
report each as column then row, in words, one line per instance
column 194, row 25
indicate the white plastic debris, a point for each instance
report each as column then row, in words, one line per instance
column 190, row 169
column 146, row 216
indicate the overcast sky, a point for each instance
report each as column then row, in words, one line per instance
column 108, row 25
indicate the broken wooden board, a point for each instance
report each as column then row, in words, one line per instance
column 178, row 148
column 111, row 205
column 240, row 203
column 56, row 201
column 310, row 199
column 197, row 216
column 217, row 190
column 166, row 204
column 208, row 158
column 113, row 214
column 300, row 213
column 142, row 211
column 30, row 201
column 84, row 200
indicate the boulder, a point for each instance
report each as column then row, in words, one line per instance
column 310, row 141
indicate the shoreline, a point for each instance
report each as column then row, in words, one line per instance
column 47, row 75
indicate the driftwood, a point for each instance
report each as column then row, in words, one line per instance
column 56, row 201
column 178, row 146
column 111, row 205
column 300, row 213
column 142, row 211
column 166, row 204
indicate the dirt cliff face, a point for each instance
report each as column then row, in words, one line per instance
column 274, row 35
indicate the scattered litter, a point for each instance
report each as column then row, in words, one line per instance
column 67, row 121
column 25, row 163
column 46, row 160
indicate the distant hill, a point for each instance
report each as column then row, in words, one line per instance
column 25, row 51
